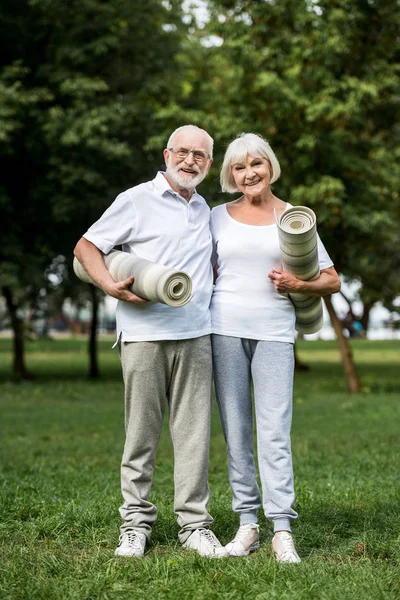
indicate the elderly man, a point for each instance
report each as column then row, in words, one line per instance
column 165, row 352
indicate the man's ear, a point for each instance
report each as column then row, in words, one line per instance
column 166, row 156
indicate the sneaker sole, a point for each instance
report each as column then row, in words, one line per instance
column 127, row 555
column 252, row 549
column 212, row 556
column 287, row 562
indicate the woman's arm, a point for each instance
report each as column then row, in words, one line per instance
column 327, row 283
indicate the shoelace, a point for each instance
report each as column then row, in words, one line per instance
column 243, row 532
column 287, row 544
column 210, row 537
column 133, row 540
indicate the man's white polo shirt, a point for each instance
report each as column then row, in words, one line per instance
column 156, row 223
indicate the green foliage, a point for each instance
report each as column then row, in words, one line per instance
column 80, row 83
column 90, row 90
column 62, row 440
column 80, row 87
column 320, row 81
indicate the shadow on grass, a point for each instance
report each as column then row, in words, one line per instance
column 52, row 360
column 364, row 530
column 55, row 373
column 322, row 377
column 60, row 360
column 329, row 378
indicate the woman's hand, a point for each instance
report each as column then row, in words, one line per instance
column 327, row 283
column 283, row 281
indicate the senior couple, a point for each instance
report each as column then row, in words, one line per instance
column 166, row 353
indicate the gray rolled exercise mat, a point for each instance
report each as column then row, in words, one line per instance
column 297, row 228
column 152, row 281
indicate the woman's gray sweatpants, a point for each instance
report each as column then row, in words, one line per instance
column 176, row 373
column 270, row 365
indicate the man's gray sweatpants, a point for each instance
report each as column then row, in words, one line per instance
column 270, row 366
column 176, row 373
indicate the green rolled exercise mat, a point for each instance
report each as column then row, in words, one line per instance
column 152, row 281
column 297, row 228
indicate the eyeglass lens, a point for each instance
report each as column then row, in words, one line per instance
column 197, row 154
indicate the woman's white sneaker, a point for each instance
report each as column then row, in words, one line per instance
column 131, row 543
column 206, row 543
column 283, row 546
column 245, row 541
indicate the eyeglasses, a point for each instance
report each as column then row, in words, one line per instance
column 198, row 155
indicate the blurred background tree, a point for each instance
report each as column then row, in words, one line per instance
column 80, row 84
column 90, row 91
column 320, row 81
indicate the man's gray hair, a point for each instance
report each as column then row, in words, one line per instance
column 207, row 136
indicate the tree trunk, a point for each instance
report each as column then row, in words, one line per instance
column 367, row 306
column 353, row 381
column 19, row 367
column 349, row 303
column 94, row 372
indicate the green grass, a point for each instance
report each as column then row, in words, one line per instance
column 61, row 443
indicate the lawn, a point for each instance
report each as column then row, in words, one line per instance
column 61, row 443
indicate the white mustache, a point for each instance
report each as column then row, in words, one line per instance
column 181, row 165
column 185, row 180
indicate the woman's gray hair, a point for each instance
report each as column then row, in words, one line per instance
column 244, row 145
column 207, row 136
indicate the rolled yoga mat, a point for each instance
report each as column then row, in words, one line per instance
column 152, row 281
column 297, row 228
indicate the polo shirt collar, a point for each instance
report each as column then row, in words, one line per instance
column 163, row 186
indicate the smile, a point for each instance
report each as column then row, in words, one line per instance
column 253, row 183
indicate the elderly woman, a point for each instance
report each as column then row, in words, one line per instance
column 253, row 335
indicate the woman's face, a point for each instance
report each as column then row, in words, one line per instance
column 252, row 177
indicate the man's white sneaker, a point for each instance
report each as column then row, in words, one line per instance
column 283, row 546
column 131, row 543
column 206, row 543
column 245, row 541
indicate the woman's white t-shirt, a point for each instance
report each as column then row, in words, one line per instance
column 244, row 302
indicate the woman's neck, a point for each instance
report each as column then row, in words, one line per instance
column 263, row 200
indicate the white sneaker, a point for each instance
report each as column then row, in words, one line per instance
column 283, row 546
column 245, row 541
column 205, row 542
column 131, row 543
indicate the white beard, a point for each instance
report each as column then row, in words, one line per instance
column 184, row 182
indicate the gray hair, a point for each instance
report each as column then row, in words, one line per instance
column 246, row 144
column 183, row 128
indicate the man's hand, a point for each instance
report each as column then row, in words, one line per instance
column 121, row 291
column 284, row 282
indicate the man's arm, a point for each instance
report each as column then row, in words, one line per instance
column 91, row 258
column 285, row 283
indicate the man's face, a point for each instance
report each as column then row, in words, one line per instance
column 188, row 162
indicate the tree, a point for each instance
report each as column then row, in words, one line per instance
column 79, row 86
column 320, row 81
